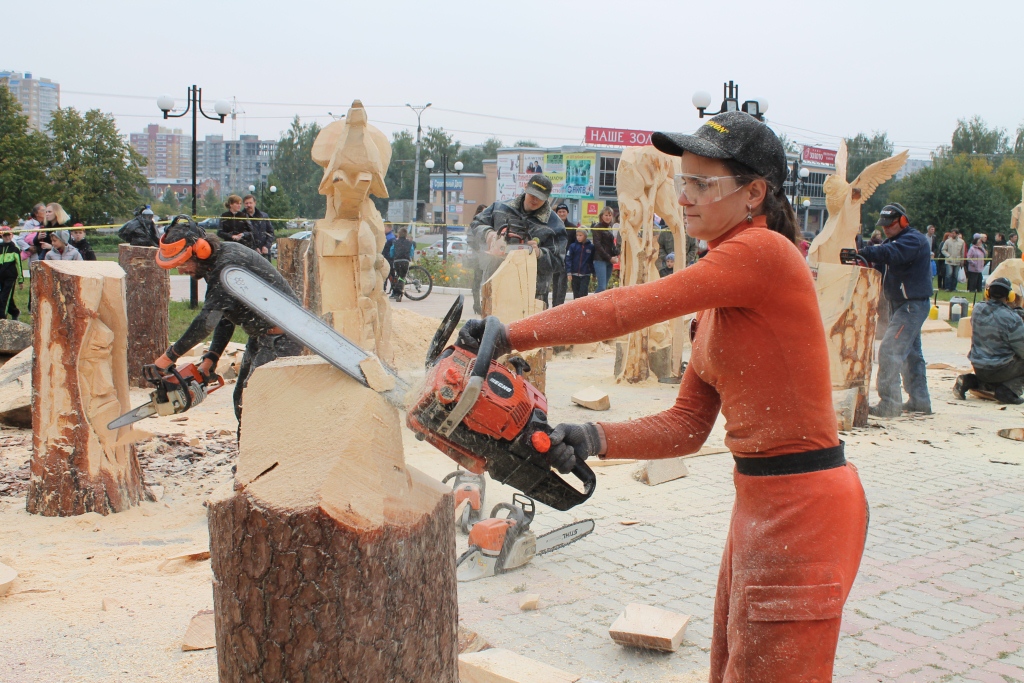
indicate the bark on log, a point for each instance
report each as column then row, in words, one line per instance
column 332, row 560
column 148, row 293
column 80, row 383
column 1000, row 254
column 848, row 299
column 291, row 259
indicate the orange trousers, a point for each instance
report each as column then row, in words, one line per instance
column 794, row 548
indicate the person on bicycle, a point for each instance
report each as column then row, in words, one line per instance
column 402, row 250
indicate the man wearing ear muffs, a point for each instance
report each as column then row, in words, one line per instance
column 186, row 246
column 997, row 345
column 907, row 284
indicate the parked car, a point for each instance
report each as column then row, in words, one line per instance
column 304, row 235
column 457, row 247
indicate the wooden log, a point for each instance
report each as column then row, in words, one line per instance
column 16, row 390
column 654, row 472
column 80, row 384
column 848, row 299
column 291, row 258
column 148, row 293
column 15, row 336
column 649, row 627
column 332, row 559
column 503, row 666
column 1000, row 254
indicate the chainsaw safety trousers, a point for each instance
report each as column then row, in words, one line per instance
column 794, row 546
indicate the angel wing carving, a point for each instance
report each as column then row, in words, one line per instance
column 874, row 175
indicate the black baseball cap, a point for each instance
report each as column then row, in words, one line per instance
column 561, row 206
column 539, row 186
column 889, row 214
column 733, row 135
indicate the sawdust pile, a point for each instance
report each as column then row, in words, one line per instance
column 411, row 335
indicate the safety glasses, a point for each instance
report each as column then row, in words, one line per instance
column 701, row 190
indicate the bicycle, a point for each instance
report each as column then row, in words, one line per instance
column 418, row 283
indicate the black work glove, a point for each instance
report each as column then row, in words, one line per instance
column 473, row 331
column 570, row 442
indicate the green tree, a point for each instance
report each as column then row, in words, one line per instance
column 954, row 193
column 297, row 174
column 1018, row 142
column 474, row 156
column 975, row 137
column 399, row 179
column 864, row 150
column 526, row 143
column 789, row 145
column 96, row 175
column 1008, row 177
column 210, row 204
column 24, row 159
column 169, row 204
column 275, row 204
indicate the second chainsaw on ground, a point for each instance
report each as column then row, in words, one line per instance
column 177, row 390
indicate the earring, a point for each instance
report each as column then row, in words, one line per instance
column 750, row 218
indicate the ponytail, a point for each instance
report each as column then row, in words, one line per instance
column 777, row 210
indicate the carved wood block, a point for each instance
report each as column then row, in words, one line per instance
column 848, row 299
column 330, row 556
column 148, row 292
column 509, row 294
column 80, row 383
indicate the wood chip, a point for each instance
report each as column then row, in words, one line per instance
column 110, row 604
column 592, row 398
column 654, row 472
column 183, row 418
column 471, row 641
column 459, row 509
column 629, row 522
column 503, row 666
column 377, row 377
column 196, row 555
column 1014, row 433
column 7, row 577
column 529, row 602
column 201, row 633
column 649, row 627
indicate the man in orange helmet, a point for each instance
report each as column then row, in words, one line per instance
column 186, row 246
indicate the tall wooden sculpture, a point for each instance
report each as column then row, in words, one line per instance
column 148, row 291
column 644, row 184
column 510, row 295
column 332, row 559
column 848, row 295
column 80, row 384
column 1013, row 268
column 344, row 266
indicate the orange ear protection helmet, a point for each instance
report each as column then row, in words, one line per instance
column 900, row 211
column 187, row 240
column 1001, row 283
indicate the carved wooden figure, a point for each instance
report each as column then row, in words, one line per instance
column 332, row 559
column 645, row 186
column 509, row 294
column 148, row 292
column 345, row 270
column 848, row 299
column 844, row 200
column 80, row 384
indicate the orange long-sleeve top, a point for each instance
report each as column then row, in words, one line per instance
column 759, row 352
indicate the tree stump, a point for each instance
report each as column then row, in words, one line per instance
column 332, row 560
column 148, row 292
column 1000, row 254
column 291, row 259
column 80, row 384
column 848, row 299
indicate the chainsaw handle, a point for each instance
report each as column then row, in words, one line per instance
column 581, row 470
column 489, row 339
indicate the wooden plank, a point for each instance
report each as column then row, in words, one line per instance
column 592, row 398
column 503, row 666
column 649, row 627
column 654, row 472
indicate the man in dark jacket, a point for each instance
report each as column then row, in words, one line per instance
column 907, row 284
column 81, row 243
column 997, row 345
column 526, row 219
column 559, row 278
column 262, row 230
column 186, row 247
column 11, row 273
column 141, row 230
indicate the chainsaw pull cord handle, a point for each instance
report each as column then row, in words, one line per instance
column 181, row 381
column 475, row 385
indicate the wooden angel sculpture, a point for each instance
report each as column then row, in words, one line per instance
column 844, row 200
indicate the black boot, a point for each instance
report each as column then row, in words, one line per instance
column 964, row 383
column 1005, row 395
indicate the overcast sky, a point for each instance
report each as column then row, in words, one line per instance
column 827, row 69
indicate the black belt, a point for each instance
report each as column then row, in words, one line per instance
column 792, row 463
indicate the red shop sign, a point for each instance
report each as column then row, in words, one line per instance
column 818, row 155
column 619, row 137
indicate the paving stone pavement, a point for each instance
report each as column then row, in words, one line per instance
column 939, row 597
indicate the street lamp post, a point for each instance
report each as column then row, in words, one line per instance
column 416, row 173
column 195, row 105
column 263, row 187
column 807, row 210
column 457, row 169
column 730, row 102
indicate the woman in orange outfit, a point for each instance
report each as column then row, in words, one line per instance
column 800, row 517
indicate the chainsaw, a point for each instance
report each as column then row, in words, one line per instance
column 498, row 544
column 176, row 391
column 488, row 418
column 851, row 258
column 470, row 488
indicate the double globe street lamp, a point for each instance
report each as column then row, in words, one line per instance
column 730, row 102
column 263, row 186
column 457, row 169
column 195, row 105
